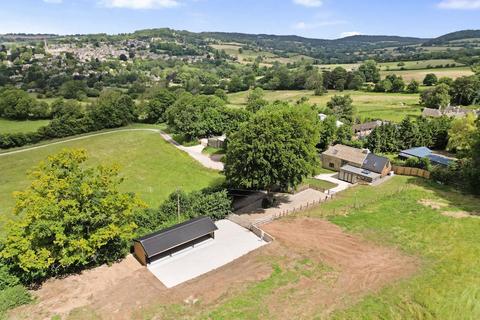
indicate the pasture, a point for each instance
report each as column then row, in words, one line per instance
column 10, row 126
column 249, row 56
column 419, row 64
column 151, row 167
column 386, row 106
column 419, row 75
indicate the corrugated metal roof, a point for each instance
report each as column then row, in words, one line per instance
column 439, row 159
column 163, row 240
column 375, row 163
column 419, row 152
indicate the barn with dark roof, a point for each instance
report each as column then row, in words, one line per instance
column 166, row 242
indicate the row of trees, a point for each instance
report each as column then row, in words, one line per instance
column 409, row 133
column 16, row 104
column 461, row 91
column 113, row 109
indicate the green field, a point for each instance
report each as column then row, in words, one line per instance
column 152, row 167
column 9, row 126
column 386, row 106
column 449, row 283
column 419, row 75
column 249, row 56
column 420, row 64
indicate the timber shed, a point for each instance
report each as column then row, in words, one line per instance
column 165, row 242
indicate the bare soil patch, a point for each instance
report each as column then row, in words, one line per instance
column 126, row 289
column 361, row 267
column 459, row 214
column 434, row 204
column 122, row 290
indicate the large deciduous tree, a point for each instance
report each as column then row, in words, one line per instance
column 462, row 134
column 275, row 148
column 370, row 71
column 436, row 97
column 71, row 216
column 341, row 107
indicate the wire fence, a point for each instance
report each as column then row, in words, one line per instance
column 286, row 212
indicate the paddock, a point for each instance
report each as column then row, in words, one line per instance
column 231, row 241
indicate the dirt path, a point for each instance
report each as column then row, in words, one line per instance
column 196, row 153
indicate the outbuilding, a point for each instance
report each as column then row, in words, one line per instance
column 166, row 242
column 217, row 142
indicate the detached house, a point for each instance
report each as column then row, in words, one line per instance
column 355, row 165
column 339, row 155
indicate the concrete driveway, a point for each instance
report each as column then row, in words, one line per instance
column 231, row 242
column 196, row 152
column 331, row 177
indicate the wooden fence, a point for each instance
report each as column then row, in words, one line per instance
column 409, row 171
column 287, row 212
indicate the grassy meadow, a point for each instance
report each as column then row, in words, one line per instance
column 420, row 74
column 248, row 56
column 387, row 106
column 152, row 167
column 10, row 126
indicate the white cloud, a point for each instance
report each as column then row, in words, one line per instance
column 460, row 4
column 140, row 4
column 349, row 34
column 309, row 3
column 302, row 25
column 53, row 1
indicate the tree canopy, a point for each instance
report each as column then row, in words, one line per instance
column 275, row 148
column 71, row 216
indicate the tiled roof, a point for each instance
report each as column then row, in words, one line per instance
column 347, row 153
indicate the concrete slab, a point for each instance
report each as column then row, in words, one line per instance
column 231, row 242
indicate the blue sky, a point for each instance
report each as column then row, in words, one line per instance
column 310, row 18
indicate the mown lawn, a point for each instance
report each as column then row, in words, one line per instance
column 386, row 106
column 319, row 184
column 10, row 126
column 152, row 167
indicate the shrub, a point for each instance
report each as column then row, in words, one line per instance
column 423, row 163
column 181, row 206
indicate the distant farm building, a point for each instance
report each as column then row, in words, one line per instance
column 362, row 130
column 168, row 241
column 426, row 153
column 217, row 142
column 450, row 111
